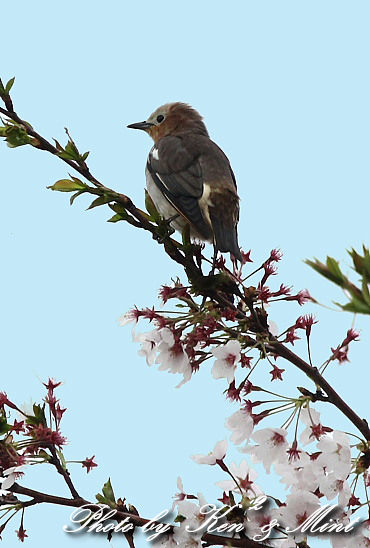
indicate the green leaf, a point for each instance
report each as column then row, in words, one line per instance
column 366, row 272
column 72, row 150
column 16, row 136
column 357, row 261
column 84, row 156
column 356, row 306
column 333, row 267
column 4, row 426
column 38, row 416
column 118, row 208
column 62, row 459
column 102, row 499
column 101, row 200
column 66, row 185
column 115, row 219
column 108, row 491
column 9, row 85
column 108, row 495
column 74, row 196
column 151, row 209
column 186, row 235
column 331, row 273
column 365, row 291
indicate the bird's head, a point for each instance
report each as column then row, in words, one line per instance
column 172, row 119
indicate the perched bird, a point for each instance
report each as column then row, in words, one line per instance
column 190, row 179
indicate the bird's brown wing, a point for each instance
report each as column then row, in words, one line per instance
column 176, row 171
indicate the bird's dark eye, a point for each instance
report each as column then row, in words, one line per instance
column 160, row 118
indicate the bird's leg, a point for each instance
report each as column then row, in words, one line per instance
column 214, row 260
column 215, row 253
column 169, row 221
column 235, row 266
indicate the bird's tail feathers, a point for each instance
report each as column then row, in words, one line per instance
column 226, row 237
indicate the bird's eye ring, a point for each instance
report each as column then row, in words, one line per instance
column 160, row 118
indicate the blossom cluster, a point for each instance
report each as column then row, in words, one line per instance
column 317, row 480
column 318, row 465
column 33, row 437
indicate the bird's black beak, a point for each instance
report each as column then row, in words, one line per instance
column 140, row 125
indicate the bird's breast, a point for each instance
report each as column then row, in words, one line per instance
column 163, row 206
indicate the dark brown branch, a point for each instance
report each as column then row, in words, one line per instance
column 63, row 472
column 122, row 199
column 194, row 273
column 212, row 540
column 332, row 396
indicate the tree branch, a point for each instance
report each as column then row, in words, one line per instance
column 212, row 540
column 195, row 274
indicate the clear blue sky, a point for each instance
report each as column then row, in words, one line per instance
column 284, row 89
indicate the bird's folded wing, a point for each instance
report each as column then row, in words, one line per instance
column 178, row 175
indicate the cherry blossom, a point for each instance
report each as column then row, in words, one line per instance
column 302, row 474
column 299, row 507
column 335, row 454
column 181, row 495
column 241, row 423
column 272, row 447
column 172, row 357
column 256, row 520
column 314, row 429
column 149, row 343
column 228, row 356
column 164, row 541
column 21, row 533
column 190, row 531
column 218, row 454
column 127, row 317
column 245, row 477
column 332, row 487
column 89, row 463
column 11, row 476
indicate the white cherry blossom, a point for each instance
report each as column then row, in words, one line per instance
column 171, row 360
column 218, row 453
column 272, row 447
column 335, row 454
column 228, row 356
column 245, row 477
column 241, row 424
column 332, row 487
column 191, row 530
column 299, row 507
column 149, row 344
column 310, row 417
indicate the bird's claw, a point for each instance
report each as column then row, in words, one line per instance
column 169, row 229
